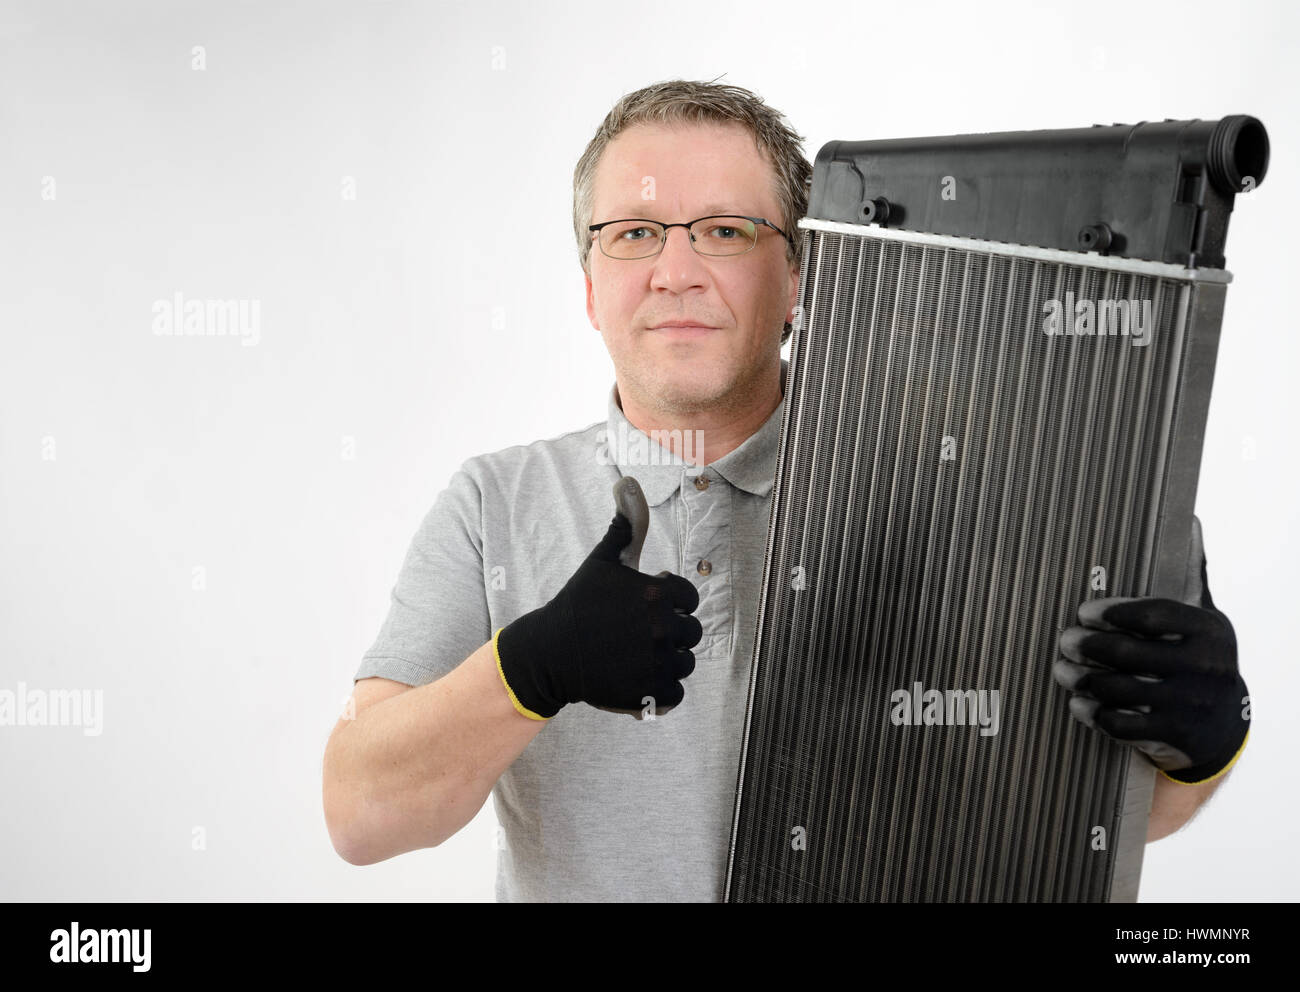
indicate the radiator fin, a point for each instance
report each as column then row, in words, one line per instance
column 950, row 476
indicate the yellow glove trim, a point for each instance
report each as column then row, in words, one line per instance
column 513, row 698
column 1221, row 771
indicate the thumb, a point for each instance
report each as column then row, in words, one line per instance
column 1196, row 587
column 626, row 534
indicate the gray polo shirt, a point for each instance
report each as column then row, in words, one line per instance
column 599, row 806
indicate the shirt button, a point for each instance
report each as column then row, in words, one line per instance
column 701, row 482
column 704, row 567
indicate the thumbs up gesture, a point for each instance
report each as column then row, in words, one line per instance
column 613, row 637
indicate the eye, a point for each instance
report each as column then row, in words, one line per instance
column 643, row 231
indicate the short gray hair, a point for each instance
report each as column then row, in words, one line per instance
column 679, row 101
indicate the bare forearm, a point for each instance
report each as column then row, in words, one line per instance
column 1173, row 804
column 413, row 769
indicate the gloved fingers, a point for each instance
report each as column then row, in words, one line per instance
column 1068, row 673
column 687, row 630
column 670, row 694
column 1118, row 722
column 1122, row 652
column 681, row 663
column 1134, row 729
column 679, row 591
column 1108, row 687
column 681, row 629
column 1154, row 728
column 1149, row 617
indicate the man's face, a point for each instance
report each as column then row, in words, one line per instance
column 697, row 170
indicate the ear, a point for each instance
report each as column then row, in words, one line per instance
column 794, row 291
column 591, row 304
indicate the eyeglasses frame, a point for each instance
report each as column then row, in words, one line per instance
column 595, row 229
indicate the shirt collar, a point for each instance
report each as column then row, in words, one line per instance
column 751, row 466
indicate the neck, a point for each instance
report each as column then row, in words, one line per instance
column 702, row 436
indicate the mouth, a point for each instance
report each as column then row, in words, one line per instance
column 688, row 330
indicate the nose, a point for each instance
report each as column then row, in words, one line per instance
column 678, row 267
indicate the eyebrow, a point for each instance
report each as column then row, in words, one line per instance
column 712, row 210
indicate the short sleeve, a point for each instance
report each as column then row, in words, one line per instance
column 438, row 611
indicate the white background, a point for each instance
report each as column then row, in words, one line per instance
column 377, row 324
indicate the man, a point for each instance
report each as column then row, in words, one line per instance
column 513, row 650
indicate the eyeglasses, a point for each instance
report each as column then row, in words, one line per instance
column 721, row 234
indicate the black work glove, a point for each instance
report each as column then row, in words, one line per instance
column 1161, row 675
column 612, row 636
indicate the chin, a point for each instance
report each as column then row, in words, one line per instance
column 697, row 386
